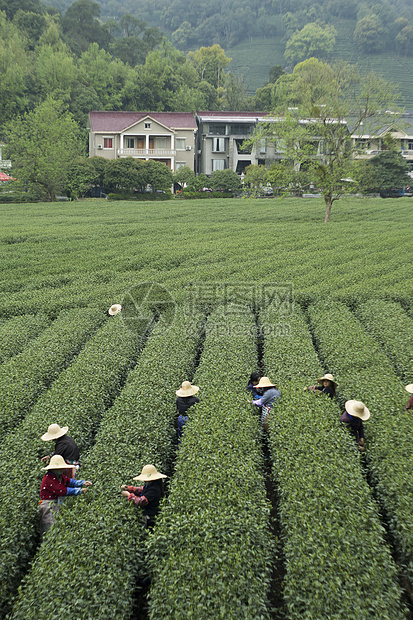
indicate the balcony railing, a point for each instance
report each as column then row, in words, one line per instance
column 146, row 152
column 407, row 153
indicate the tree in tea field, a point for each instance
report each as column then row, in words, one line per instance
column 320, row 107
column 42, row 146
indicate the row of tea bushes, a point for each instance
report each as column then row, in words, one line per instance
column 98, row 544
column 17, row 332
column 389, row 324
column 24, row 377
column 337, row 564
column 78, row 399
column 211, row 551
column 365, row 373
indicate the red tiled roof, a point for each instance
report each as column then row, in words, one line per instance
column 118, row 121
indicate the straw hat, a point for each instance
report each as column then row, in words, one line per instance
column 115, row 309
column 409, row 388
column 327, row 377
column 357, row 409
column 149, row 473
column 265, row 382
column 54, row 432
column 187, row 389
column 57, row 462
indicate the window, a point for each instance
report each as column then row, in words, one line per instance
column 242, row 129
column 241, row 149
column 108, row 143
column 161, row 143
column 180, row 144
column 410, row 146
column 179, row 164
column 217, row 128
column 263, row 145
column 130, row 143
column 147, row 125
column 218, row 164
column 218, row 145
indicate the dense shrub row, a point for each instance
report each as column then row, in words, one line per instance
column 98, row 540
column 211, row 552
column 78, row 398
column 389, row 324
column 365, row 373
column 27, row 375
column 18, row 331
column 337, row 564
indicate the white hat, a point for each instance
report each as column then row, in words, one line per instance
column 149, row 473
column 327, row 377
column 264, row 382
column 409, row 388
column 357, row 409
column 57, row 462
column 115, row 309
column 187, row 389
column 54, row 432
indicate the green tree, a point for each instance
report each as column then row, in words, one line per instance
column 210, row 63
column 15, row 70
column 125, row 174
column 404, row 41
column 82, row 26
column 315, row 135
column 160, row 177
column 255, row 177
column 312, row 40
column 183, row 176
column 225, row 180
column 80, row 176
column 369, row 34
column 42, row 146
column 386, row 170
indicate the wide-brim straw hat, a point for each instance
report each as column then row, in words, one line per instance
column 264, row 382
column 54, row 432
column 187, row 389
column 409, row 388
column 57, row 462
column 149, row 473
column 327, row 377
column 115, row 309
column 357, row 409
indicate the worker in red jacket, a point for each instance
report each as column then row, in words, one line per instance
column 54, row 488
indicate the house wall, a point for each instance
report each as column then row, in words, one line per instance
column 150, row 140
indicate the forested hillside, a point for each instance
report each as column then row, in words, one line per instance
column 183, row 55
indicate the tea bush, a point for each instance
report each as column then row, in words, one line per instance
column 99, row 539
column 78, row 398
column 337, row 563
column 211, row 552
column 17, row 332
column 389, row 324
column 27, row 375
column 365, row 373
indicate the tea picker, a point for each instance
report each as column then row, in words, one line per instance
column 54, row 488
column 147, row 496
column 356, row 412
column 65, row 446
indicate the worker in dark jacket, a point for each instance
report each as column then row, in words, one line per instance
column 356, row 412
column 65, row 446
column 327, row 385
column 147, row 496
column 186, row 398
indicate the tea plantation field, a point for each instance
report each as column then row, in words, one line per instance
column 297, row 525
